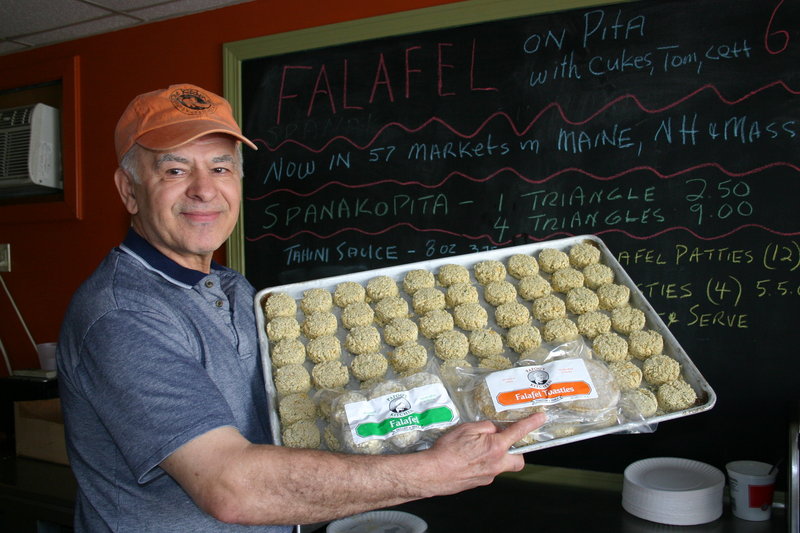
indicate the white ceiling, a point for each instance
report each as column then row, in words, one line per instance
column 26, row 24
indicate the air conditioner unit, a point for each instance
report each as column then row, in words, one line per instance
column 30, row 147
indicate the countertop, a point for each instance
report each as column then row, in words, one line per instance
column 543, row 499
column 33, row 491
column 546, row 499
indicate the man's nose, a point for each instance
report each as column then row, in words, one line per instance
column 202, row 186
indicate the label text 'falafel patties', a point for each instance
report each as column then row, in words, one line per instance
column 559, row 381
column 418, row 409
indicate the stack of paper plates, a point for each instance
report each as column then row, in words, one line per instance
column 379, row 522
column 673, row 491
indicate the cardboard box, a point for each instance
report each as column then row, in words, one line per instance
column 39, row 430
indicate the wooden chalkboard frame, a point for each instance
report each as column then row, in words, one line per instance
column 407, row 22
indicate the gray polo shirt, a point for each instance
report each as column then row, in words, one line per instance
column 152, row 355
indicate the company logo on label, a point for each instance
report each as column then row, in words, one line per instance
column 539, row 378
column 399, row 404
column 191, row 101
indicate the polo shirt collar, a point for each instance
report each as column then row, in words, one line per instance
column 136, row 246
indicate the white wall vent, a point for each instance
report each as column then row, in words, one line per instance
column 30, row 147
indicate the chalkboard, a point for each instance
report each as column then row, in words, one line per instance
column 668, row 128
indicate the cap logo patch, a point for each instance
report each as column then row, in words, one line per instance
column 191, row 102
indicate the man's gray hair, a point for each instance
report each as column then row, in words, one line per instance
column 130, row 162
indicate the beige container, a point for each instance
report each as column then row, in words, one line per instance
column 39, row 430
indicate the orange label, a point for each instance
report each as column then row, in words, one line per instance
column 556, row 390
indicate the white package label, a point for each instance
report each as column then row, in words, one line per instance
column 560, row 381
column 421, row 408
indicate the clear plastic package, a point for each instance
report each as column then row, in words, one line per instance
column 576, row 391
column 396, row 415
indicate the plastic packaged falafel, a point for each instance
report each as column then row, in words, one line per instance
column 397, row 415
column 576, row 391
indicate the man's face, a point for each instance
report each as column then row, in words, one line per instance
column 187, row 201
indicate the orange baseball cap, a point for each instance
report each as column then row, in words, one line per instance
column 168, row 118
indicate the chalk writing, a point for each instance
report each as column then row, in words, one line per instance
column 337, row 87
column 679, row 148
column 670, row 129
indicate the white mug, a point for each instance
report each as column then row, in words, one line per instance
column 47, row 355
column 752, row 484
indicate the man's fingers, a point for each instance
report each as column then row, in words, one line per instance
column 519, row 429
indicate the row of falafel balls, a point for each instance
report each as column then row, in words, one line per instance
column 552, row 297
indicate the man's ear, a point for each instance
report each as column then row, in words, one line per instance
column 126, row 191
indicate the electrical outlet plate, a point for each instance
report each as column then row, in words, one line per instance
column 5, row 258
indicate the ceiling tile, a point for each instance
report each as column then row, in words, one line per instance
column 7, row 47
column 128, row 5
column 77, row 31
column 177, row 7
column 28, row 23
column 31, row 16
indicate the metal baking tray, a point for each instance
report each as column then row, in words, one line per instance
column 705, row 394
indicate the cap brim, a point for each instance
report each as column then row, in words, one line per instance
column 175, row 135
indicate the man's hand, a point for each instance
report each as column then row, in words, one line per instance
column 473, row 454
column 236, row 481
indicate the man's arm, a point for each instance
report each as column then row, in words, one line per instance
column 236, row 481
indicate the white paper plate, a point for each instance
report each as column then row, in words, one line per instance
column 673, row 491
column 379, row 522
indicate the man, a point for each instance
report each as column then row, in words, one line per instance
column 159, row 370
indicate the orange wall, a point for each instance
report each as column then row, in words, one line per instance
column 50, row 259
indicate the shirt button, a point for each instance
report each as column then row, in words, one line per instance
column 209, row 283
column 219, row 303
